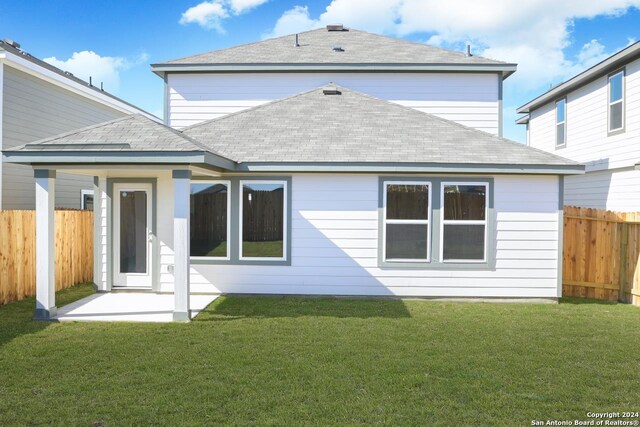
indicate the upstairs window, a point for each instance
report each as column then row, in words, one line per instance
column 407, row 221
column 616, row 101
column 561, row 123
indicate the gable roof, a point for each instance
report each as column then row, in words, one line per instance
column 351, row 127
column 315, row 50
column 612, row 63
column 311, row 131
column 20, row 58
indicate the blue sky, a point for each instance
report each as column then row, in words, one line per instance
column 116, row 41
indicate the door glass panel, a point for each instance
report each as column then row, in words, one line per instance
column 133, row 232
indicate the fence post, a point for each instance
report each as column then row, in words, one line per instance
column 624, row 262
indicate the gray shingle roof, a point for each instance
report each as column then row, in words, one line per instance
column 354, row 127
column 129, row 133
column 316, row 47
column 312, row 127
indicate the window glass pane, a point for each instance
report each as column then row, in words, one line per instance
column 464, row 202
column 407, row 241
column 560, row 134
column 560, row 111
column 463, row 242
column 133, row 232
column 263, row 220
column 615, row 116
column 615, row 88
column 209, row 220
column 407, row 201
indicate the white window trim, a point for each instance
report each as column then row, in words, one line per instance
column 228, row 185
column 620, row 101
column 386, row 221
column 85, row 193
column 564, row 122
column 285, row 225
column 444, row 222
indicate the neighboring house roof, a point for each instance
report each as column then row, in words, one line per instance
column 326, row 129
column 42, row 69
column 333, row 50
column 612, row 63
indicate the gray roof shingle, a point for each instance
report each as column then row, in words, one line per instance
column 354, row 127
column 316, row 47
column 128, row 133
column 311, row 127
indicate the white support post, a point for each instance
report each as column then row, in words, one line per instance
column 99, row 278
column 181, row 236
column 45, row 245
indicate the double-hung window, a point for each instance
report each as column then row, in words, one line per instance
column 464, row 221
column 561, row 123
column 616, row 101
column 209, row 223
column 407, row 221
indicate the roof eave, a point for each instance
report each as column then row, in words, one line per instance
column 523, row 120
column 378, row 167
column 603, row 68
column 26, row 157
column 161, row 69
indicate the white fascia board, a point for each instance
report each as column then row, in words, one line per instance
column 505, row 69
column 49, row 76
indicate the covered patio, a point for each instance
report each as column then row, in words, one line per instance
column 129, row 307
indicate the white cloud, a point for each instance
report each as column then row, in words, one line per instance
column 101, row 69
column 292, row 21
column 210, row 13
column 534, row 34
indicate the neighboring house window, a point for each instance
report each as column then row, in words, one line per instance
column 86, row 200
column 263, row 223
column 464, row 221
column 561, row 123
column 209, row 222
column 616, row 101
column 407, row 214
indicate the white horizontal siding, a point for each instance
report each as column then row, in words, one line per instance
column 34, row 109
column 617, row 190
column 335, row 246
column 587, row 138
column 469, row 99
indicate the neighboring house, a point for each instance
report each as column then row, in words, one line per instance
column 452, row 85
column 594, row 118
column 38, row 100
column 329, row 191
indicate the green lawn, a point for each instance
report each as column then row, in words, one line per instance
column 291, row 361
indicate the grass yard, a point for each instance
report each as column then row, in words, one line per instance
column 278, row 361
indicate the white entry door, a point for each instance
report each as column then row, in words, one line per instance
column 132, row 235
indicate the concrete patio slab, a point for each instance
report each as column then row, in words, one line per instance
column 128, row 307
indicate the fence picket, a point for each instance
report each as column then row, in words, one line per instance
column 74, row 252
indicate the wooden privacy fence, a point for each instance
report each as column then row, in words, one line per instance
column 600, row 256
column 74, row 251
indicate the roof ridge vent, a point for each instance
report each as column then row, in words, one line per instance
column 331, row 89
column 336, row 27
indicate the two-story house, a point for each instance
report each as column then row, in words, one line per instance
column 594, row 118
column 331, row 162
column 38, row 100
column 453, row 85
